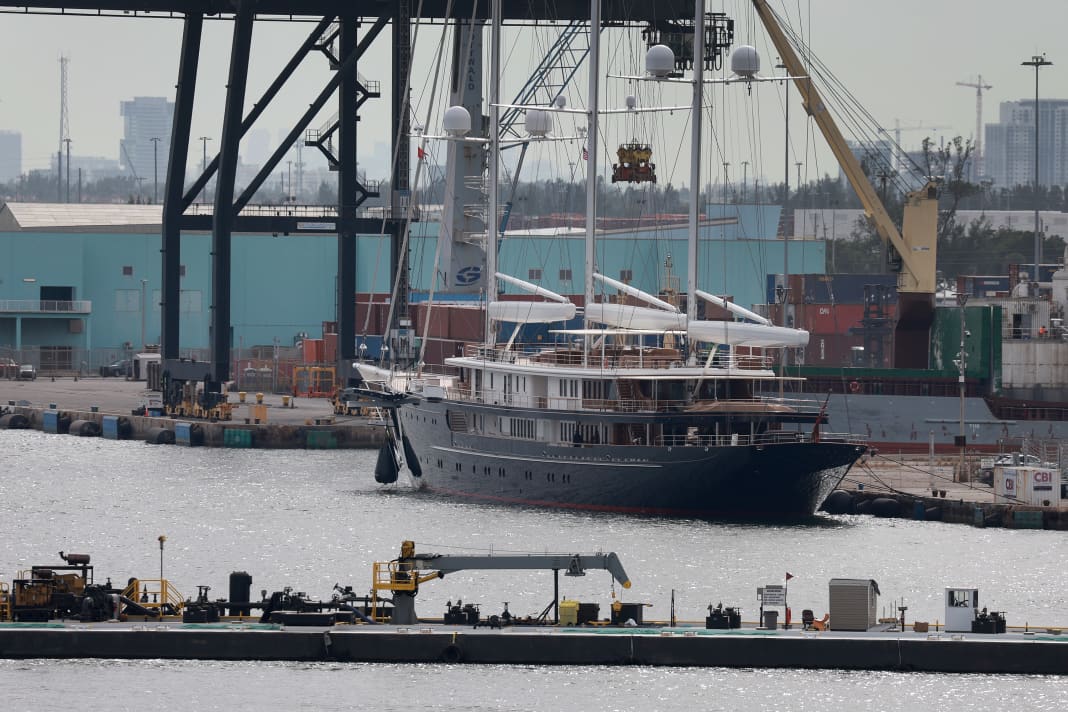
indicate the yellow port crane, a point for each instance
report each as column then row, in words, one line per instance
column 915, row 244
column 400, row 579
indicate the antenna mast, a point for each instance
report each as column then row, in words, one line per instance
column 978, row 141
column 64, row 124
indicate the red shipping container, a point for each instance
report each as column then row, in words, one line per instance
column 439, row 320
column 329, row 327
column 466, row 323
column 329, row 348
column 830, row 318
column 313, row 350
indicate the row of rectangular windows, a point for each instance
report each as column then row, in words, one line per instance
column 502, row 473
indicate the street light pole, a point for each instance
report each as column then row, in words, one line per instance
column 962, row 365
column 1037, row 61
column 155, row 169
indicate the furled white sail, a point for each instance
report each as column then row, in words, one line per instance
column 532, row 288
column 739, row 333
column 635, row 292
column 531, row 312
column 630, row 317
column 732, row 307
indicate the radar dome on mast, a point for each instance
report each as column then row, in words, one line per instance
column 745, row 62
column 538, row 123
column 456, row 121
column 659, row 61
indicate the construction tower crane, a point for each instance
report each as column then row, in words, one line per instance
column 979, row 89
column 914, row 245
column 898, row 128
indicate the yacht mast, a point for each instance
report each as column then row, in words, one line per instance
column 492, row 225
column 695, row 158
column 594, row 62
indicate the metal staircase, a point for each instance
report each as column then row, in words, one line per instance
column 322, row 138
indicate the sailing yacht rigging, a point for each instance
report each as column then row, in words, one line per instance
column 650, row 409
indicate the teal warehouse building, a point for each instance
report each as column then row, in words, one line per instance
column 80, row 283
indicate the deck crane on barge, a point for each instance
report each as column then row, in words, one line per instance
column 401, row 577
column 914, row 246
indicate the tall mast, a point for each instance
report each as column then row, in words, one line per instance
column 695, row 157
column 492, row 224
column 591, row 147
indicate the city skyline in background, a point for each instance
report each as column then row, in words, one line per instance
column 912, row 83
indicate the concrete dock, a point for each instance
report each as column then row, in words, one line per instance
column 304, row 423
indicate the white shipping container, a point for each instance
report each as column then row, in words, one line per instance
column 1035, row 486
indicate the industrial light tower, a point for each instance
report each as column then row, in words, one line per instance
column 1037, row 61
column 979, row 89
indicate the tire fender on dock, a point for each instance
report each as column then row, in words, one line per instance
column 159, row 436
column 14, row 421
column 452, row 653
column 85, row 428
column 839, row 502
column 885, row 507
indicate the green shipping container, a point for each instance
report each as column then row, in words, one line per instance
column 982, row 344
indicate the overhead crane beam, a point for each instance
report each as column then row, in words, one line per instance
column 613, row 11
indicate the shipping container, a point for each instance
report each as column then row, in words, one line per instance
column 1036, row 486
column 847, row 288
column 831, row 288
column 313, row 350
column 330, row 348
column 982, row 345
column 834, row 350
column 466, row 323
column 828, row 318
column 984, row 286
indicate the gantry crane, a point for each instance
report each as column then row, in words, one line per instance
column 915, row 245
column 401, row 577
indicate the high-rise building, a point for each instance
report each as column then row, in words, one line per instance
column 1010, row 144
column 146, row 118
column 10, row 156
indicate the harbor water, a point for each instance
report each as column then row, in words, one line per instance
column 313, row 519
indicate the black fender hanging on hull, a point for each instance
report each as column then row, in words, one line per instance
column 410, row 457
column 386, row 467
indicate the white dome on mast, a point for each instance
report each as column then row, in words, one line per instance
column 538, row 122
column 456, row 121
column 660, row 61
column 745, row 62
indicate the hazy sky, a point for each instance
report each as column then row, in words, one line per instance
column 900, row 59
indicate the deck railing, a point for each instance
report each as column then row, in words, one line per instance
column 627, row 405
column 637, row 358
column 46, row 306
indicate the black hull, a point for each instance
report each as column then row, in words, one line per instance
column 788, row 479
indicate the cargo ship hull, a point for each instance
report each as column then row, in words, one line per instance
column 920, row 423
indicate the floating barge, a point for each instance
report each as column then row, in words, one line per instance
column 1022, row 653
